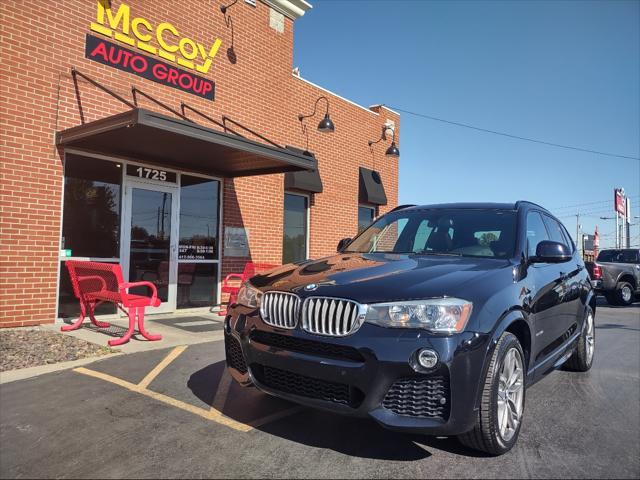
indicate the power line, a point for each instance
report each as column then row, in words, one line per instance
column 517, row 137
column 631, row 197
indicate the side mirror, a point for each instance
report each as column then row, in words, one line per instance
column 342, row 244
column 548, row 251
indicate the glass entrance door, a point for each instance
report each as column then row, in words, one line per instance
column 150, row 240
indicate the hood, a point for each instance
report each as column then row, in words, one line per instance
column 378, row 277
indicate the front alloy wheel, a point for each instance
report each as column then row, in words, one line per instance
column 510, row 394
column 501, row 409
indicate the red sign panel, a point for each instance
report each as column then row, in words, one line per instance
column 620, row 204
column 108, row 53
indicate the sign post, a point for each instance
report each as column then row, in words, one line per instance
column 621, row 207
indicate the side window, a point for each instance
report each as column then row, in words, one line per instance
column 629, row 256
column 536, row 232
column 572, row 246
column 555, row 231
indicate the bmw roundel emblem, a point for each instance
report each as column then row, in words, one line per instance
column 311, row 287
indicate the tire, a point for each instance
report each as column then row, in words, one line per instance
column 487, row 436
column 582, row 358
column 611, row 297
column 624, row 293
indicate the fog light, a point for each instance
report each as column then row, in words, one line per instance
column 427, row 358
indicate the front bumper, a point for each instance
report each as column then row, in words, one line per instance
column 365, row 374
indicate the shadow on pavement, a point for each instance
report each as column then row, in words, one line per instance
column 602, row 302
column 200, row 382
column 615, row 326
column 357, row 437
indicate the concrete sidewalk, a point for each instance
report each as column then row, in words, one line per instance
column 176, row 329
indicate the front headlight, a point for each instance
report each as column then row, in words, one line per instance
column 249, row 296
column 439, row 315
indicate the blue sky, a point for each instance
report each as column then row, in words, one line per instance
column 566, row 72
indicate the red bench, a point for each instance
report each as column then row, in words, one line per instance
column 234, row 281
column 95, row 283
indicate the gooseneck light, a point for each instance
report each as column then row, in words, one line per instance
column 393, row 150
column 224, row 8
column 326, row 124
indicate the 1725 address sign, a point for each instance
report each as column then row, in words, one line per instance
column 151, row 173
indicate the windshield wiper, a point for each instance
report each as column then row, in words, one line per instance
column 441, row 254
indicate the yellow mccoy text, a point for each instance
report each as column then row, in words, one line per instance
column 139, row 32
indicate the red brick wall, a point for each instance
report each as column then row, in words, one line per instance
column 41, row 40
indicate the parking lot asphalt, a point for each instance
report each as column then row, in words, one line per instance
column 150, row 415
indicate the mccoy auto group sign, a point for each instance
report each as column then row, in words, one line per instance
column 139, row 32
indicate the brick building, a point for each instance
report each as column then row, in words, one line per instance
column 183, row 195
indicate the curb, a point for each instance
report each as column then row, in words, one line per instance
column 30, row 372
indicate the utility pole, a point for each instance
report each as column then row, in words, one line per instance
column 579, row 240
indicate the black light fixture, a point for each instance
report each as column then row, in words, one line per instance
column 393, row 150
column 223, row 8
column 326, row 124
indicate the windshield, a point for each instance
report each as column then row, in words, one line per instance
column 460, row 232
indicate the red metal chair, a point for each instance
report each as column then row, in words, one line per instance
column 232, row 282
column 95, row 283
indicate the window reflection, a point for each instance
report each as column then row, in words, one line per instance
column 91, row 212
column 365, row 217
column 199, row 200
column 90, row 221
column 150, row 240
column 197, row 285
column 294, row 247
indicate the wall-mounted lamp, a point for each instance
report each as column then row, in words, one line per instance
column 393, row 150
column 224, row 8
column 326, row 124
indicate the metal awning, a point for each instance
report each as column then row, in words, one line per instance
column 308, row 181
column 155, row 138
column 371, row 188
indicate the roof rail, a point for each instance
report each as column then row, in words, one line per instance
column 531, row 203
column 401, row 207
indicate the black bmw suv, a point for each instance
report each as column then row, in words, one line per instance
column 433, row 320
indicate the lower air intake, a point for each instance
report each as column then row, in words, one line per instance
column 421, row 397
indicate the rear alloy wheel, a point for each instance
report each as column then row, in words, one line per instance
column 502, row 404
column 582, row 358
column 624, row 293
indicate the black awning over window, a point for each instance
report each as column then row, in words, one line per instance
column 371, row 188
column 308, row 180
column 158, row 139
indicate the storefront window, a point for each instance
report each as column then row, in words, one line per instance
column 199, row 200
column 90, row 221
column 294, row 247
column 365, row 217
column 91, row 212
column 198, row 243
